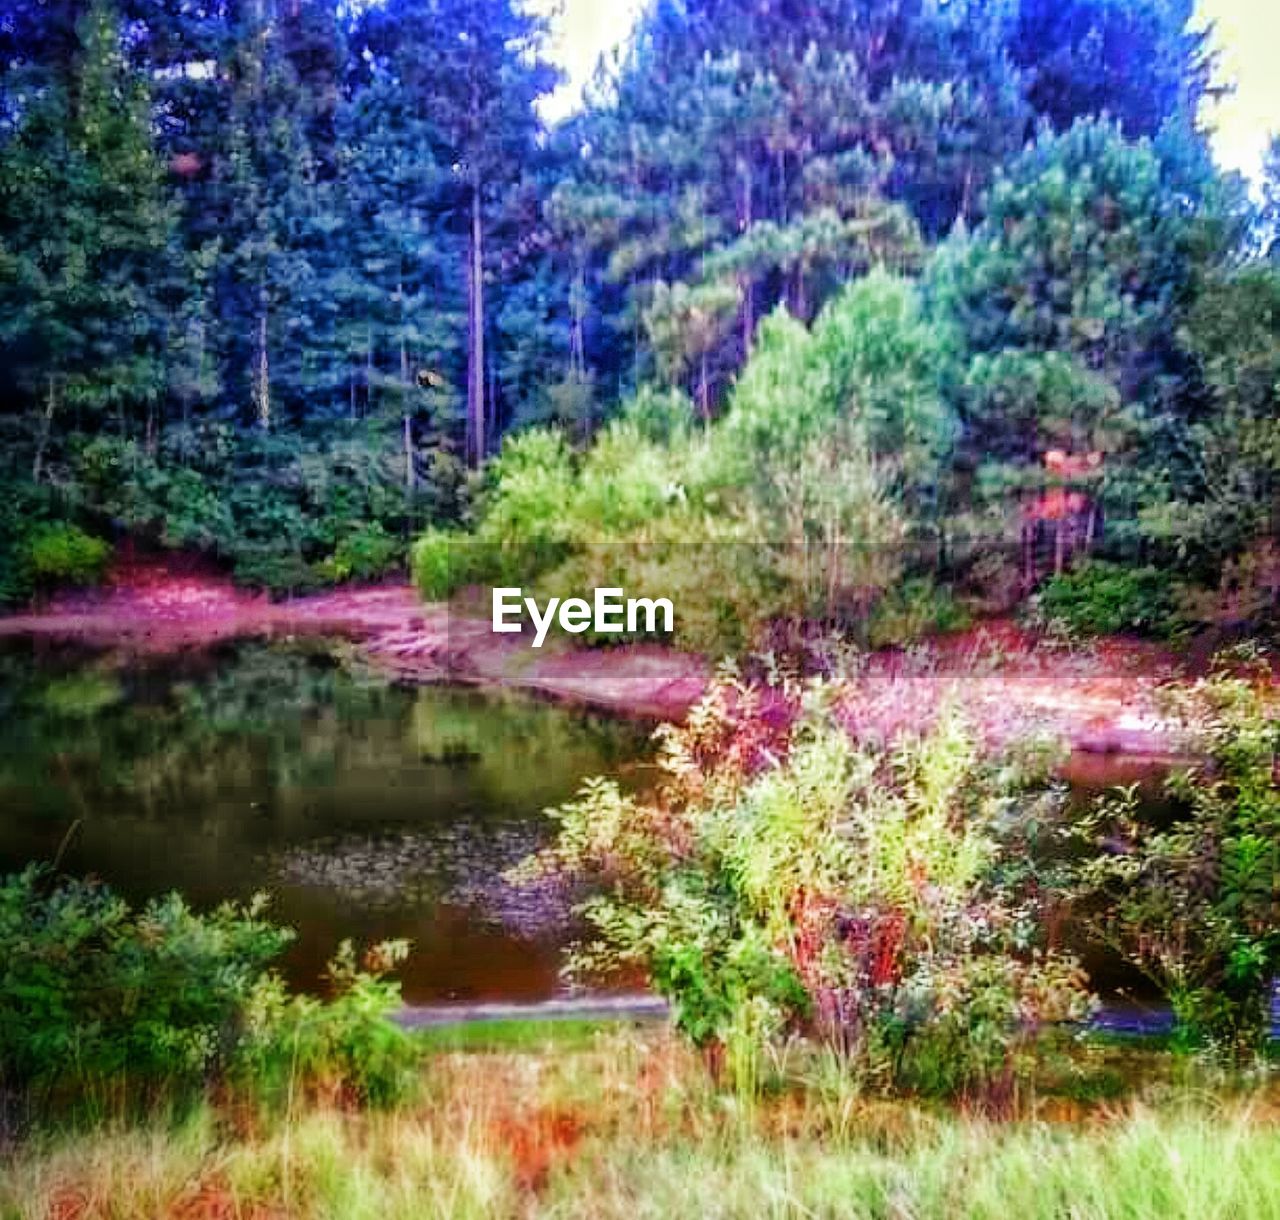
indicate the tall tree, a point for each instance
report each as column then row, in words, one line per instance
column 1269, row 219
column 277, row 183
column 1138, row 61
column 756, row 146
column 477, row 66
column 87, row 245
column 1068, row 298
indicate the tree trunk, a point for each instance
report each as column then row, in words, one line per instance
column 262, row 366
column 747, row 281
column 1028, row 555
column 578, row 317
column 477, row 406
column 404, row 352
column 410, row 477
column 46, row 428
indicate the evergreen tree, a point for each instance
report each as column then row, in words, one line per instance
column 1220, row 498
column 390, row 278
column 87, row 245
column 1066, row 295
column 756, row 147
column 475, row 66
column 1269, row 217
column 277, row 318
column 1136, row 61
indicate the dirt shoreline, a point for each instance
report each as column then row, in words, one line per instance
column 1102, row 701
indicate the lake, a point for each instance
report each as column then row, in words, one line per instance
column 369, row 810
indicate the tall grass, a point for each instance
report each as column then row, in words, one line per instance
column 629, row 1128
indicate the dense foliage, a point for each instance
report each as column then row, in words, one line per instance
column 272, row 274
column 96, row 995
column 787, row 878
column 794, row 879
column 1086, row 373
column 1192, row 903
column 1101, row 598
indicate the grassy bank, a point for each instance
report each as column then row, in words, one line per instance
column 624, row 1123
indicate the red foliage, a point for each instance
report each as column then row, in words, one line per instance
column 538, row 1143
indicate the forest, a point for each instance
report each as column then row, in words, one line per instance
column 278, row 281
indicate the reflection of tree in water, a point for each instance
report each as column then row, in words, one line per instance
column 261, row 719
column 515, row 749
column 367, row 809
column 154, row 730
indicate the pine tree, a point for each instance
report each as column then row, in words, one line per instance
column 277, row 318
column 1136, row 61
column 760, row 146
column 1269, row 218
column 1067, row 298
column 398, row 313
column 87, row 243
column 475, row 65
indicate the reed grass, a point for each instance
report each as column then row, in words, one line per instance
column 627, row 1125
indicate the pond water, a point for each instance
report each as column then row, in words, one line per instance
column 368, row 810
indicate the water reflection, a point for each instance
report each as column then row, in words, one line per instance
column 369, row 810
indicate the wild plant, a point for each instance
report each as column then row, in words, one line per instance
column 1192, row 902
column 787, row 879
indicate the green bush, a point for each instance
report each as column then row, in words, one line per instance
column 280, row 572
column 22, row 511
column 1192, row 903
column 445, row 561
column 912, row 610
column 287, row 511
column 95, row 993
column 59, row 553
column 1101, row 598
column 804, row 483
column 344, row 1045
column 91, row 988
column 368, row 553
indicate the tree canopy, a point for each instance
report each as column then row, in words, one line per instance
column 273, row 273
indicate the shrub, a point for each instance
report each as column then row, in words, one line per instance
column 804, row 481
column 94, row 992
column 62, row 553
column 1247, row 592
column 445, row 561
column 23, row 510
column 786, row 879
column 912, row 610
column 1192, row 903
column 91, row 988
column 344, row 1046
column 287, row 510
column 279, row 572
column 1100, row 598
column 367, row 553
column 175, row 504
